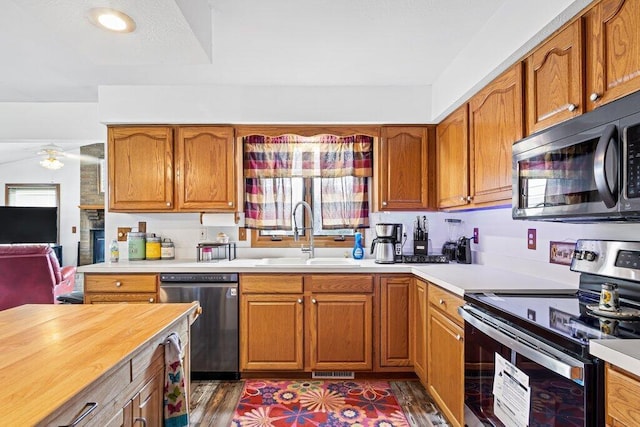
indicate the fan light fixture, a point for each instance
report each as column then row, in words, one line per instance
column 51, row 153
column 51, row 163
column 112, row 20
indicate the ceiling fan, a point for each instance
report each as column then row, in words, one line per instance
column 52, row 155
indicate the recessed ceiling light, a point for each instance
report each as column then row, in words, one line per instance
column 112, row 20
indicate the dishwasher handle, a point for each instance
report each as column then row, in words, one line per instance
column 197, row 285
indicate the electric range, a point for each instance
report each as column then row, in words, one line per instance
column 542, row 340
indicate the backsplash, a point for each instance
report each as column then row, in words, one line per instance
column 502, row 241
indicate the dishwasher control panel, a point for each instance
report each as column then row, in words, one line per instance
column 199, row 277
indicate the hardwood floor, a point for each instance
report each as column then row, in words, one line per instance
column 213, row 403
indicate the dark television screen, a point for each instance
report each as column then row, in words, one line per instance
column 28, row 225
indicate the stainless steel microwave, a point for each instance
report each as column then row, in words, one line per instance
column 586, row 169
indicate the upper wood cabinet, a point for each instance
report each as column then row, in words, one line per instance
column 495, row 123
column 452, row 152
column 147, row 173
column 140, row 168
column 205, row 169
column 402, row 168
column 554, row 76
column 613, row 51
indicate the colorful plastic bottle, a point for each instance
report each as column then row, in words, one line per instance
column 358, row 250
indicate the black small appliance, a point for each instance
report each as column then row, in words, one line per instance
column 463, row 250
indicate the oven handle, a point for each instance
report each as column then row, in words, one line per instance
column 609, row 197
column 567, row 367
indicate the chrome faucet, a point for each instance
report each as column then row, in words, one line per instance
column 296, row 236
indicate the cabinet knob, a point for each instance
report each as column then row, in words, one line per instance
column 441, row 301
column 572, row 107
column 313, row 300
column 230, row 203
column 469, row 198
column 168, row 203
column 118, row 284
column 458, row 337
column 463, row 199
column 299, row 300
column 594, row 96
column 151, row 300
column 384, row 203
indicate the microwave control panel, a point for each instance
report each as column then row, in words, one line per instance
column 633, row 161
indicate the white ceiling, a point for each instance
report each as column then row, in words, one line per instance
column 55, row 54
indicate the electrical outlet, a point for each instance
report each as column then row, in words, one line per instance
column 475, row 235
column 122, row 233
column 531, row 238
column 203, row 234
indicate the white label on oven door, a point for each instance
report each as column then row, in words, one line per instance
column 511, row 394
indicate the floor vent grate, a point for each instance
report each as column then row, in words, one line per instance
column 344, row 375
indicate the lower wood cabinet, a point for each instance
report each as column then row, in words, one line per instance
column 118, row 288
column 306, row 322
column 420, row 329
column 622, row 391
column 445, row 354
column 396, row 308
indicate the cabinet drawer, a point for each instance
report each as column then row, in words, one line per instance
column 102, row 393
column 271, row 283
column 622, row 393
column 114, row 298
column 338, row 283
column 446, row 302
column 121, row 283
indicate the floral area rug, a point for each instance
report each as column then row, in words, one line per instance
column 318, row 403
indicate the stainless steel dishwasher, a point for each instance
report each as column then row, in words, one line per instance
column 214, row 335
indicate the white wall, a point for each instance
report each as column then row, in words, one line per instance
column 265, row 104
column 30, row 172
column 490, row 53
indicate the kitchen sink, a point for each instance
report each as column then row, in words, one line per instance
column 297, row 262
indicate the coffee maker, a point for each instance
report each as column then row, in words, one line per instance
column 387, row 246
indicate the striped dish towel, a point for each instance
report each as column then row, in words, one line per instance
column 176, row 411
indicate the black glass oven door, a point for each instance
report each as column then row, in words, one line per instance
column 553, row 397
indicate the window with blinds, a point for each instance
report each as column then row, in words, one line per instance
column 36, row 195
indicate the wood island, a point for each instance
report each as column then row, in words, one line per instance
column 59, row 362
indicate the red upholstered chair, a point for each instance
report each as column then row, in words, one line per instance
column 31, row 274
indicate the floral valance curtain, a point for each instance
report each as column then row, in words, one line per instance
column 341, row 163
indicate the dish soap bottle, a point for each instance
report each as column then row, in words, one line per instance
column 114, row 251
column 358, row 250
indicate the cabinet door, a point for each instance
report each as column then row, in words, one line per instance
column 420, row 330
column 396, row 305
column 622, row 390
column 613, row 51
column 147, row 403
column 452, row 150
column 403, row 169
column 140, row 168
column 340, row 328
column 205, row 169
column 446, row 365
column 554, row 80
column 271, row 332
column 495, row 121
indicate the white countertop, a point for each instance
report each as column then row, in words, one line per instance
column 624, row 354
column 456, row 278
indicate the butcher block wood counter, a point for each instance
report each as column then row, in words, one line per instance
column 59, row 361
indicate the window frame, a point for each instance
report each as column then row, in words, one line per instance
column 258, row 241
column 8, row 186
